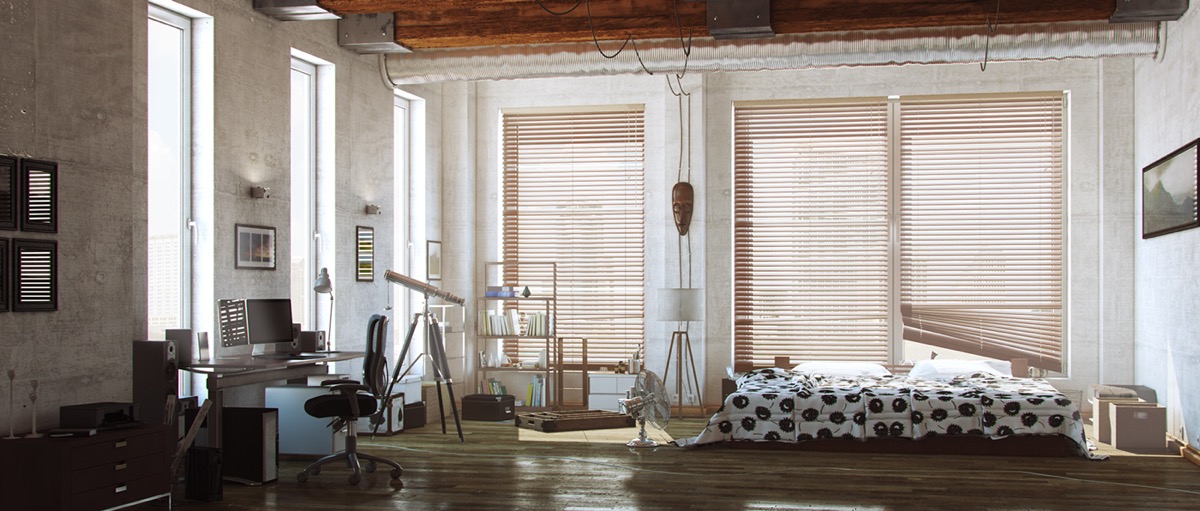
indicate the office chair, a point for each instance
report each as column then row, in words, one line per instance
column 350, row 400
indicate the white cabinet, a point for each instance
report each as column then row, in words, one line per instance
column 605, row 391
column 299, row 432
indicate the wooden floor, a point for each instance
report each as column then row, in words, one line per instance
column 494, row 470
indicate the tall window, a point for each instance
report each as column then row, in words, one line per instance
column 867, row 228
column 303, row 191
column 168, row 171
column 573, row 195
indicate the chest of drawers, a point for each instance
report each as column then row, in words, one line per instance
column 108, row 470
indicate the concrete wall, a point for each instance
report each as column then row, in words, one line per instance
column 1100, row 258
column 1167, row 341
column 74, row 91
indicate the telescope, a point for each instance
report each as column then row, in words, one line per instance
column 422, row 287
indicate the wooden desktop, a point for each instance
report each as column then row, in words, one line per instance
column 236, row 370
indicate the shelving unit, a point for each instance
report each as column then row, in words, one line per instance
column 454, row 330
column 512, row 318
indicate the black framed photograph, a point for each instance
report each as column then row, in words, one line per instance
column 39, row 196
column 365, row 254
column 34, row 275
column 254, row 247
column 1169, row 192
column 4, row 275
column 433, row 260
column 8, row 193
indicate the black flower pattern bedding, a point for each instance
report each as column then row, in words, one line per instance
column 776, row 405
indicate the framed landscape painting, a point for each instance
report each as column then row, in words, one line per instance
column 1169, row 190
column 254, row 247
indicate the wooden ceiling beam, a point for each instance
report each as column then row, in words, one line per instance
column 423, row 24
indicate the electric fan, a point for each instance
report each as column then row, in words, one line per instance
column 647, row 401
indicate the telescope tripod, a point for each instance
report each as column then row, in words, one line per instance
column 435, row 349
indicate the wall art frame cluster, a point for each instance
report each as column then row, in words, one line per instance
column 28, row 203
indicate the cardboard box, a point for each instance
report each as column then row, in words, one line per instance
column 1100, row 416
column 1138, row 426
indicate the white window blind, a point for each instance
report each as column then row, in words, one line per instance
column 981, row 227
column 976, row 228
column 811, row 232
column 573, row 195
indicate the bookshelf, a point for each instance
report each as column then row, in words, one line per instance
column 503, row 316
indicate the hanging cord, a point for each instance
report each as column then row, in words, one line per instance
column 556, row 13
column 687, row 48
column 596, row 40
column 991, row 30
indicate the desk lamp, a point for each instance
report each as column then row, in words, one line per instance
column 681, row 305
column 325, row 286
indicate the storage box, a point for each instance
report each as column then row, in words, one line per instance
column 393, row 419
column 414, row 415
column 487, row 407
column 1138, row 426
column 1100, row 416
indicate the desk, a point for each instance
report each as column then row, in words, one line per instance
column 235, row 371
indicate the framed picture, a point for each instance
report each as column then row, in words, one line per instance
column 254, row 247
column 39, row 196
column 8, row 193
column 1169, row 188
column 34, row 275
column 433, row 261
column 365, row 254
column 3, row 274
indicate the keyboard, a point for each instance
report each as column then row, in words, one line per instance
column 286, row 356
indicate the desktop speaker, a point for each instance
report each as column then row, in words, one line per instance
column 295, row 347
column 155, row 379
column 183, row 345
column 312, row 341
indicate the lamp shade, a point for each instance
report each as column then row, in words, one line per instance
column 323, row 284
column 680, row 304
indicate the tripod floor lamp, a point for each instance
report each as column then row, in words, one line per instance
column 682, row 305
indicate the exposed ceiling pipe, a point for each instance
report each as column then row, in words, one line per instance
column 943, row 45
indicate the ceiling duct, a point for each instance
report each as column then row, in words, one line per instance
column 1149, row 10
column 944, row 45
column 739, row 19
column 293, row 10
column 369, row 33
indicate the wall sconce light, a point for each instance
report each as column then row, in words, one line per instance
column 260, row 192
column 373, row 209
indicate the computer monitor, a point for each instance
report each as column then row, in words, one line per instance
column 269, row 320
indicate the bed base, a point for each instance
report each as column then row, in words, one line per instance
column 1041, row 446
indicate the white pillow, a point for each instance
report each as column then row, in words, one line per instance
column 935, row 369
column 839, row 368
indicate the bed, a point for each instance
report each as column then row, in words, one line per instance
column 955, row 410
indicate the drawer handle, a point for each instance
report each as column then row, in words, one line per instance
column 121, row 444
column 121, row 466
column 121, row 489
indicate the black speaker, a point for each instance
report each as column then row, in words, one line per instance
column 155, row 379
column 251, row 444
column 295, row 347
column 312, row 341
column 183, row 345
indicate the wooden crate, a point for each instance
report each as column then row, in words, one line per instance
column 573, row 420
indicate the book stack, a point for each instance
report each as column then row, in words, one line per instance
column 501, row 292
column 536, row 391
column 498, row 323
column 493, row 387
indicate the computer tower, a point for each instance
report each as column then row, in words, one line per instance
column 251, row 444
column 155, row 379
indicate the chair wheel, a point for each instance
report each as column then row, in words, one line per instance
column 396, row 473
column 315, row 471
column 302, row 477
column 354, row 479
column 369, row 466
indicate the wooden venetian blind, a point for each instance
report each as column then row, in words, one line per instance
column 981, row 227
column 811, row 232
column 573, row 185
